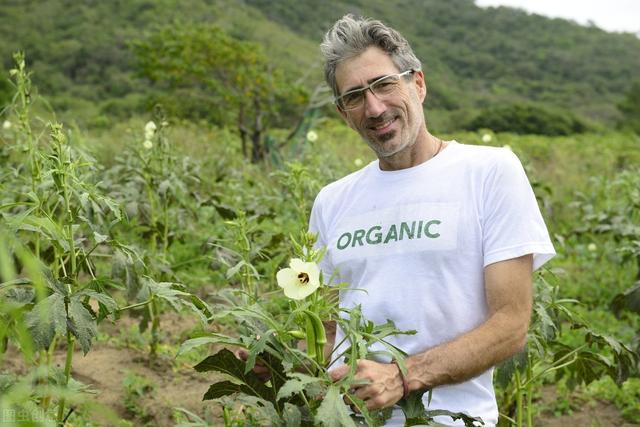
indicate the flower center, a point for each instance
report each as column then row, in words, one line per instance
column 303, row 278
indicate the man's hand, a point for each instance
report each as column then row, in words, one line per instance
column 384, row 387
column 259, row 369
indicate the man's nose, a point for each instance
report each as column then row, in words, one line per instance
column 373, row 106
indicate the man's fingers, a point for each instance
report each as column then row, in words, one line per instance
column 339, row 372
column 241, row 354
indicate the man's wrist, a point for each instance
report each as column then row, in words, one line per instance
column 405, row 383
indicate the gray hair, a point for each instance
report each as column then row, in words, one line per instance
column 351, row 36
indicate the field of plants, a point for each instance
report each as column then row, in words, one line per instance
column 135, row 260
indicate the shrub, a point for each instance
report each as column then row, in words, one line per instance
column 527, row 119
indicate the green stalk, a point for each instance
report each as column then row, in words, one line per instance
column 518, row 399
column 152, row 212
column 155, row 326
column 529, row 391
column 165, row 234
column 67, row 374
column 140, row 304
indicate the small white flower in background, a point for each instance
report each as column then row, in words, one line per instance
column 508, row 147
column 147, row 144
column 300, row 280
column 312, row 136
column 592, row 247
column 164, row 124
column 486, row 138
column 358, row 162
column 149, row 130
column 6, row 125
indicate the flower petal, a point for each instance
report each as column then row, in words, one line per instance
column 297, row 264
column 299, row 291
column 287, row 277
column 313, row 271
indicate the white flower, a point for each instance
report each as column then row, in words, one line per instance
column 6, row 125
column 508, row 147
column 149, row 130
column 312, row 136
column 486, row 138
column 358, row 162
column 147, row 144
column 300, row 280
column 592, row 247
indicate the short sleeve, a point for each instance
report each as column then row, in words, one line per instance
column 511, row 221
column 317, row 225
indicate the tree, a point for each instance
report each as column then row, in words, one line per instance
column 207, row 74
column 630, row 108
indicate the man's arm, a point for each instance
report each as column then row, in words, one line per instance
column 508, row 291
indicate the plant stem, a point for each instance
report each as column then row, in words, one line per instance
column 518, row 399
column 140, row 304
column 67, row 374
column 529, row 391
column 155, row 325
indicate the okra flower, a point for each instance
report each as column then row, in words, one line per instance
column 312, row 136
column 6, row 125
column 149, row 130
column 300, row 280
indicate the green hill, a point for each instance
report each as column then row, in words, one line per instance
column 474, row 58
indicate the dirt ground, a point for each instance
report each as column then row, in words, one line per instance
column 175, row 384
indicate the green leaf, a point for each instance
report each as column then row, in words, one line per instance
column 168, row 292
column 100, row 238
column 296, row 384
column 468, row 420
column 333, row 411
column 506, row 370
column 192, row 343
column 104, row 299
column 211, row 338
column 412, row 405
column 49, row 229
column 628, row 300
column 291, row 415
column 225, row 362
column 47, row 318
column 81, row 324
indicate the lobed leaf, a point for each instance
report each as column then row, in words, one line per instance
column 47, row 318
column 227, row 363
column 332, row 412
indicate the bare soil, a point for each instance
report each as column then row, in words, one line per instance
column 594, row 413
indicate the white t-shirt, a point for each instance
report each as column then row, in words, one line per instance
column 417, row 241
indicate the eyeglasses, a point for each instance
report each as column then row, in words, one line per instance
column 381, row 88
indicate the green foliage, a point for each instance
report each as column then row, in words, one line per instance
column 473, row 57
column 137, row 387
column 630, row 108
column 210, row 75
column 527, row 119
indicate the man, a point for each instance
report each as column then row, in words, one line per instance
column 443, row 237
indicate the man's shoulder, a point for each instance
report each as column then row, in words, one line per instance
column 486, row 157
column 344, row 185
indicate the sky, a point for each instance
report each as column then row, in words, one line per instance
column 610, row 15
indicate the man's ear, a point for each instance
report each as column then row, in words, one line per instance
column 421, row 85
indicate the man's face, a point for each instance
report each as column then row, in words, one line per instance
column 391, row 125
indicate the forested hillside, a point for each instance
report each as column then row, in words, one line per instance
column 82, row 57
